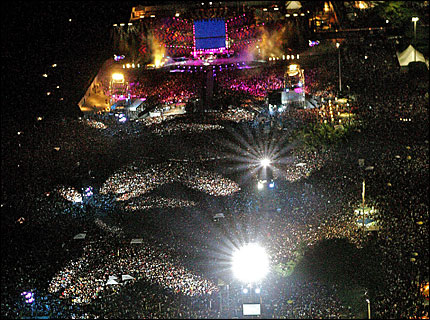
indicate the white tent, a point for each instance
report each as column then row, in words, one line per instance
column 219, row 215
column 409, row 56
column 136, row 241
column 111, row 281
column 127, row 277
column 293, row 5
column 80, row 236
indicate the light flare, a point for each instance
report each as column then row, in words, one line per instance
column 250, row 263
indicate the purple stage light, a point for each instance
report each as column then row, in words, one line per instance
column 313, row 43
column 88, row 191
column 29, row 296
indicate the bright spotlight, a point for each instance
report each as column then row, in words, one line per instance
column 257, row 290
column 250, row 263
column 245, row 290
column 265, row 162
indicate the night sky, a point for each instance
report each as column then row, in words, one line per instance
column 35, row 35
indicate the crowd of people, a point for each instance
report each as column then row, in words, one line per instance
column 158, row 202
column 165, row 88
column 84, row 279
column 175, row 270
column 254, row 82
column 133, row 182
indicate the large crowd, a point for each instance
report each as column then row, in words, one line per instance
column 166, row 88
column 133, row 182
column 254, row 82
column 172, row 271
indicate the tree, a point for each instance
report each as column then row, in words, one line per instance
column 398, row 13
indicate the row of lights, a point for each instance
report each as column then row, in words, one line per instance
column 122, row 24
column 177, row 14
column 235, row 18
column 288, row 57
column 130, row 65
column 213, row 67
column 167, row 46
column 294, row 15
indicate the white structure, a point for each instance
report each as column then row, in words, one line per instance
column 410, row 55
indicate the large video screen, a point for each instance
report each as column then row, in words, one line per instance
column 209, row 34
column 251, row 309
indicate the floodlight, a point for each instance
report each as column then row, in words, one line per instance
column 245, row 290
column 265, row 162
column 250, row 263
column 257, row 290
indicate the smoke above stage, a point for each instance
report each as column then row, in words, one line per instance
column 271, row 42
column 158, row 51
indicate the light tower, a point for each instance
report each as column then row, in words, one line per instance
column 250, row 264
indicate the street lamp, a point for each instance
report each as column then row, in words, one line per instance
column 414, row 20
column 368, row 308
column 340, row 74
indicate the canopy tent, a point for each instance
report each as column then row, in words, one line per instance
column 219, row 215
column 126, row 277
column 80, row 236
column 111, row 281
column 293, row 5
column 140, row 240
column 410, row 55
